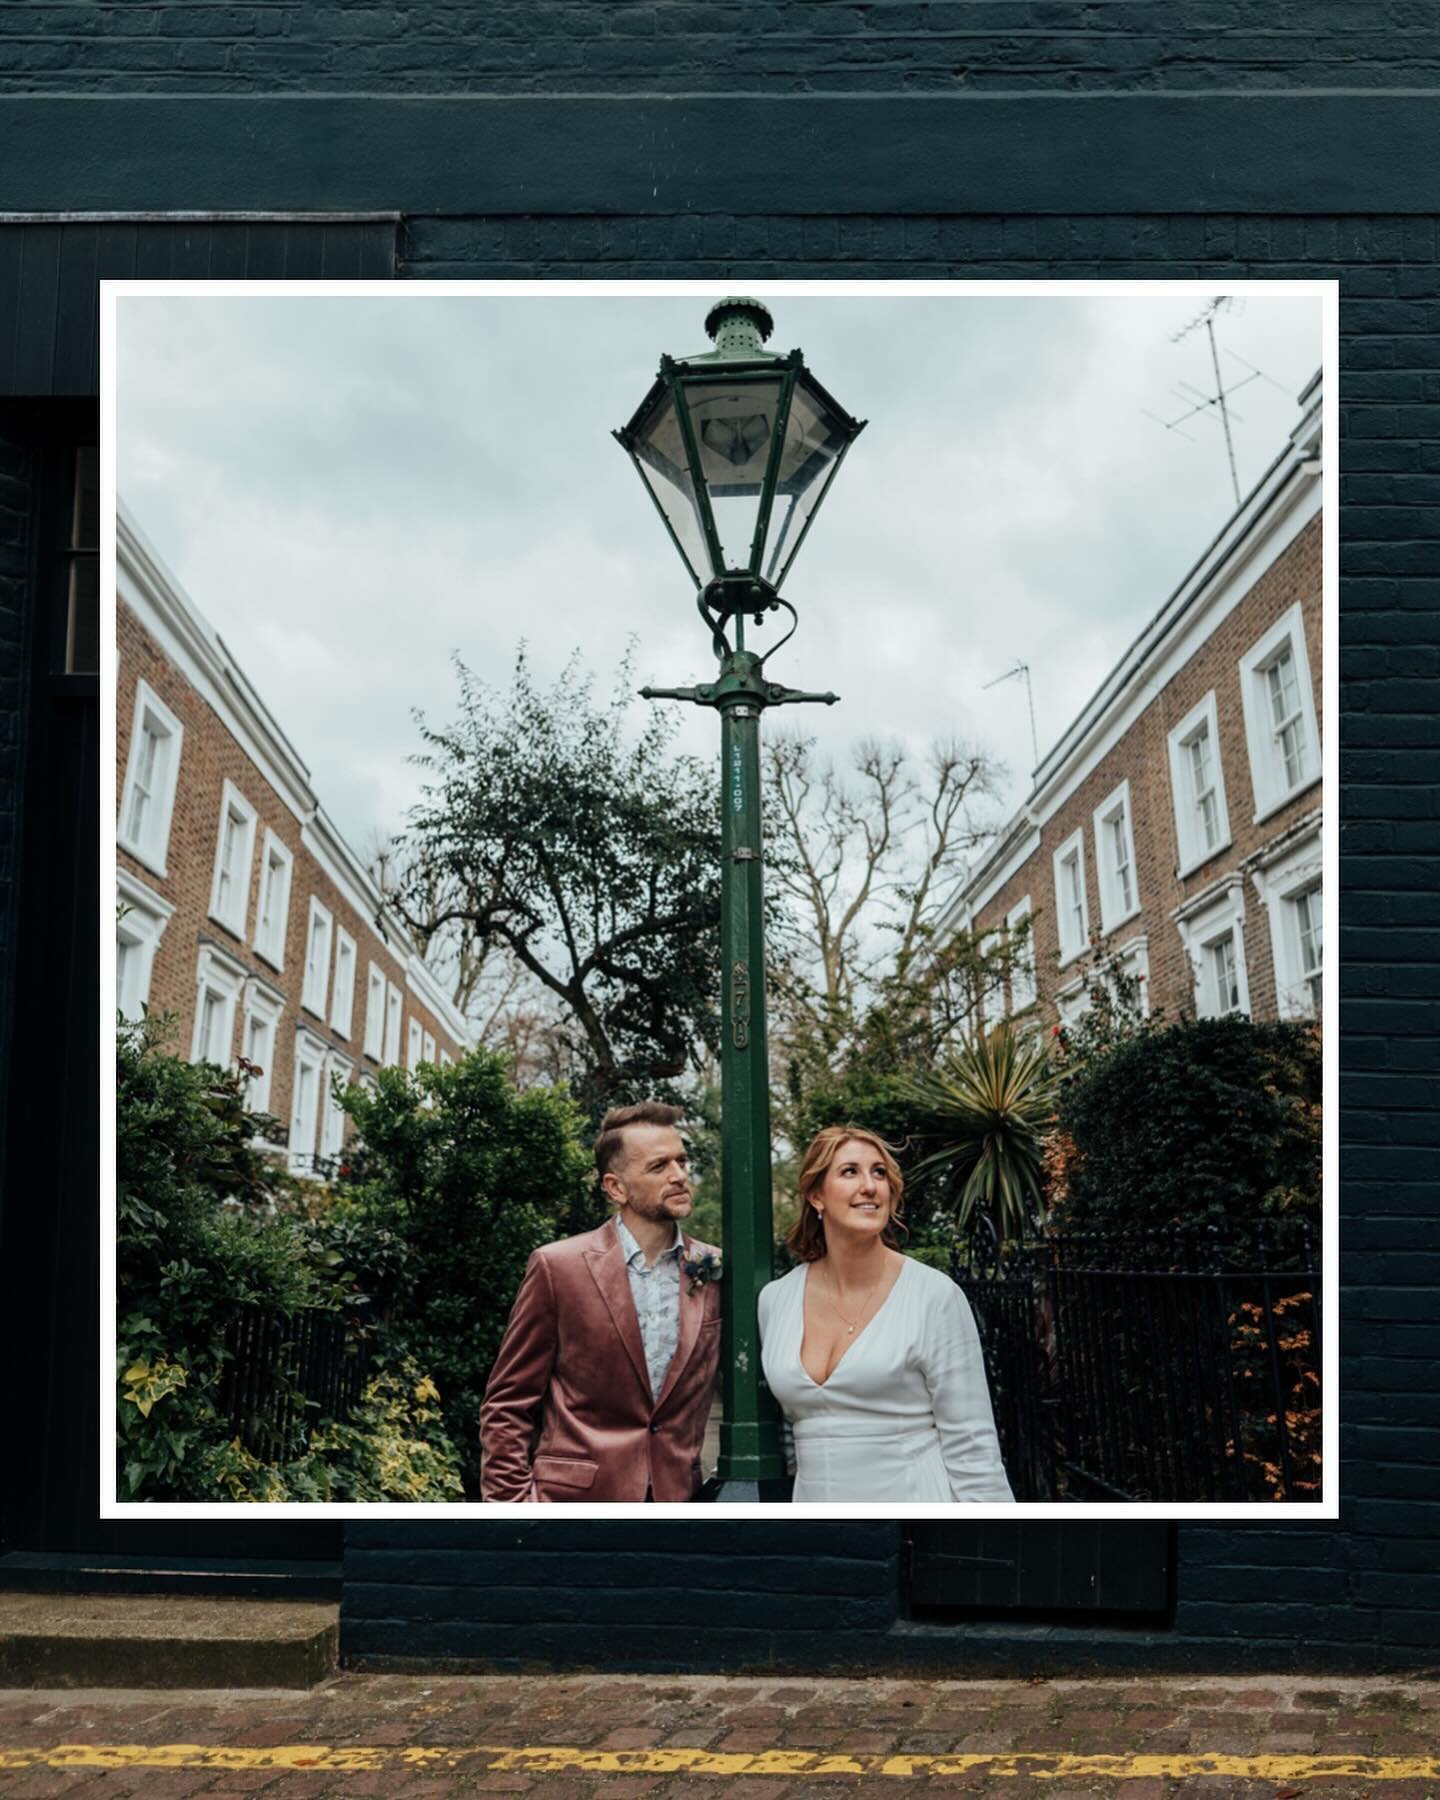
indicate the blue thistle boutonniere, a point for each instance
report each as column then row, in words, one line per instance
column 700, row 1269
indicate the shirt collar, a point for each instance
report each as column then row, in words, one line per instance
column 629, row 1249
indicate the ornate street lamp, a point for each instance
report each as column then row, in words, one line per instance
column 737, row 448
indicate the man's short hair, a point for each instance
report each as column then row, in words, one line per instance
column 610, row 1144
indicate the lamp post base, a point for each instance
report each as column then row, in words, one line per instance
column 732, row 1491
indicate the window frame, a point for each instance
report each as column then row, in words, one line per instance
column 151, row 846
column 990, row 994
column 262, row 1003
column 1074, row 1000
column 1205, row 718
column 218, row 974
column 146, row 916
column 273, row 850
column 373, row 1044
column 1024, row 962
column 233, row 804
column 394, row 1016
column 309, row 1055
column 1268, row 783
column 1290, row 870
column 1113, row 911
column 414, row 1045
column 332, row 1115
column 342, row 1017
column 1309, row 976
column 1213, row 914
column 1074, row 845
column 315, row 988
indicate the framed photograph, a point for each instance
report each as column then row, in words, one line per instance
column 793, row 985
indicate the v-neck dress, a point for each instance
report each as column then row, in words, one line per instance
column 905, row 1414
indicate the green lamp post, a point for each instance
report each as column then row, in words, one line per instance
column 737, row 447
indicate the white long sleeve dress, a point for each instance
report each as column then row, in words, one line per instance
column 906, row 1412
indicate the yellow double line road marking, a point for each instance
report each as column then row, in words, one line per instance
column 550, row 1759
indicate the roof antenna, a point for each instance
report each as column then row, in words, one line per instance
column 1216, row 404
column 1018, row 669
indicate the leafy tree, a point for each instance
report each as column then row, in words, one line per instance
column 984, row 1112
column 588, row 860
column 470, row 1174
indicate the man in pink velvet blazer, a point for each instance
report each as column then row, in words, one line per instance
column 612, row 1345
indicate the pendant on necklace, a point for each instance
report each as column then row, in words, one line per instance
column 849, row 1331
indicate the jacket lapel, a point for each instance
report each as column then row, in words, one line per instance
column 692, row 1310
column 606, row 1264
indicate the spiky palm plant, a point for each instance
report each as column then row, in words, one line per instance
column 986, row 1109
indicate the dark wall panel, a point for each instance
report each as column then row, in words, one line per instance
column 49, row 271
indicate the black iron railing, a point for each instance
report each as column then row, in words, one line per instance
column 282, row 1375
column 1149, row 1369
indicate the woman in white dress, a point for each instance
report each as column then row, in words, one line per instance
column 872, row 1356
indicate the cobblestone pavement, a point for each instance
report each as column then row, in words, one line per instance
column 633, row 1737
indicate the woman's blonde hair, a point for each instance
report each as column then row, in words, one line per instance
column 806, row 1238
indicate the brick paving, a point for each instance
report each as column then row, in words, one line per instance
column 631, row 1724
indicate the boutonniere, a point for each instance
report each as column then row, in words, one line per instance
column 700, row 1269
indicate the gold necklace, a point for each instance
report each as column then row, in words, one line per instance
column 869, row 1296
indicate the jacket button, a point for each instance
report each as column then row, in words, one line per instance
column 654, row 1426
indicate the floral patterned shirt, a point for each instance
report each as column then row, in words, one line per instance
column 656, row 1293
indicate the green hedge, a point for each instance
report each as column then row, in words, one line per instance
column 206, row 1226
column 467, row 1175
column 1210, row 1123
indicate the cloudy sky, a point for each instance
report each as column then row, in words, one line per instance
column 351, row 489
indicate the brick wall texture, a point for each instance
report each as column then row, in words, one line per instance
column 210, row 755
column 1142, row 758
column 719, row 46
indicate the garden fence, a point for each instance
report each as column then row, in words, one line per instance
column 283, row 1374
column 1152, row 1369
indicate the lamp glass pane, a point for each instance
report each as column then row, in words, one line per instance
column 733, row 423
column 814, row 439
column 659, row 453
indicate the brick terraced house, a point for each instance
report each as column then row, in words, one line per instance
column 1173, row 832
column 240, row 908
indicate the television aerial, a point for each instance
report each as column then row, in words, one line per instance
column 1013, row 673
column 1216, row 405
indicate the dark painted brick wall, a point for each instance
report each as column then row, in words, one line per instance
column 706, row 1593
column 622, row 1595
column 16, row 492
column 1392, row 348
column 718, row 46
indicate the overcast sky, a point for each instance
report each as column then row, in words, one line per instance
column 350, row 489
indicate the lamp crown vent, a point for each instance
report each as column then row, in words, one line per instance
column 738, row 325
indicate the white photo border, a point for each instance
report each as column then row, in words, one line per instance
column 1327, row 293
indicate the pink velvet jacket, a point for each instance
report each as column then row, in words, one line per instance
column 573, row 1355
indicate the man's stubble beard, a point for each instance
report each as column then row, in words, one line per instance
column 658, row 1210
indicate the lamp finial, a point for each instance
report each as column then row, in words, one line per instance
column 739, row 326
